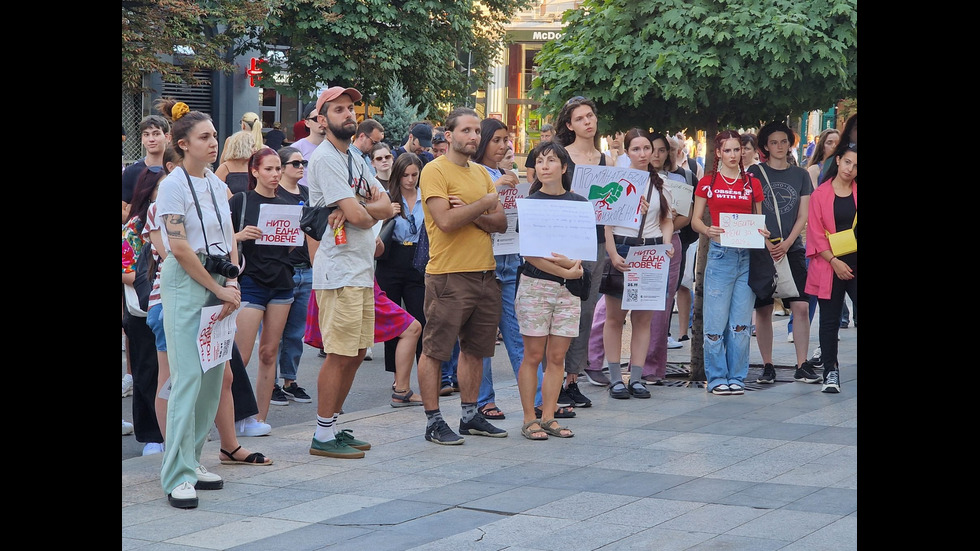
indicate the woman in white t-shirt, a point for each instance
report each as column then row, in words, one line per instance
column 656, row 225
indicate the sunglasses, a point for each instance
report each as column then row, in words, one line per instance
column 298, row 164
column 411, row 222
column 313, row 119
column 385, row 158
column 576, row 98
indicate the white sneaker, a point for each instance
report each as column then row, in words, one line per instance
column 127, row 428
column 369, row 354
column 127, row 385
column 207, row 480
column 789, row 337
column 779, row 313
column 183, row 496
column 672, row 343
column 252, row 427
column 153, row 447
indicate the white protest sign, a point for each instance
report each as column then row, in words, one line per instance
column 615, row 192
column 742, row 230
column 280, row 225
column 645, row 283
column 682, row 193
column 508, row 242
column 215, row 338
column 563, row 227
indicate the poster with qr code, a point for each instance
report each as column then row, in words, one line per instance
column 645, row 282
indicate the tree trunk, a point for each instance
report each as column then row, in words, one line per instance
column 697, row 329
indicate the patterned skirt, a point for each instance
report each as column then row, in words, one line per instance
column 390, row 320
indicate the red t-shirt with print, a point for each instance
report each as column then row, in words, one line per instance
column 736, row 198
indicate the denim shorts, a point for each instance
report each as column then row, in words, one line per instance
column 154, row 319
column 259, row 296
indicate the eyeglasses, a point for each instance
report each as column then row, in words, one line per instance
column 384, row 158
column 374, row 142
column 297, row 164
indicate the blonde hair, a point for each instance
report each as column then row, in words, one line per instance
column 240, row 145
column 253, row 124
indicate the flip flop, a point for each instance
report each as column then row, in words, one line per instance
column 492, row 413
column 405, row 399
column 254, row 458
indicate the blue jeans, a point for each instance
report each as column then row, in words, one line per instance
column 728, row 303
column 511, row 331
column 291, row 345
column 449, row 368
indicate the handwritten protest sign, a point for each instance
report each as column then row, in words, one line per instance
column 215, row 338
column 614, row 191
column 681, row 193
column 645, row 284
column 563, row 227
column 280, row 225
column 742, row 230
column 508, row 242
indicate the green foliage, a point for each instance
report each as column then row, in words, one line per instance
column 399, row 115
column 674, row 64
column 364, row 43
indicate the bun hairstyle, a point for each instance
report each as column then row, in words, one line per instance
column 182, row 120
column 655, row 179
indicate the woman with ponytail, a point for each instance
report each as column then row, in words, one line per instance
column 728, row 299
column 657, row 229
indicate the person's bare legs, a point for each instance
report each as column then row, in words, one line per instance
column 683, row 300
column 405, row 357
column 612, row 336
column 763, row 332
column 527, row 377
column 469, row 373
column 224, row 420
column 272, row 324
column 334, row 381
column 640, row 339
column 160, row 404
column 430, row 378
column 801, row 328
column 550, row 387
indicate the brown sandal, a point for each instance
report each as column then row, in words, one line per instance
column 554, row 429
column 529, row 433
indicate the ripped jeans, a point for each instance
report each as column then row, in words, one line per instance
column 728, row 302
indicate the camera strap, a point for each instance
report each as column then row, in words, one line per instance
column 200, row 214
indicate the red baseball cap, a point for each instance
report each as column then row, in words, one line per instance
column 335, row 92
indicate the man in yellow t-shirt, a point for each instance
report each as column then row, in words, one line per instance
column 462, row 294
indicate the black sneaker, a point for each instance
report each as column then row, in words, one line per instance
column 805, row 374
column 832, row 382
column 619, row 391
column 296, row 393
column 578, row 399
column 638, row 390
column 440, row 433
column 479, row 426
column 564, row 400
column 278, row 396
column 768, row 376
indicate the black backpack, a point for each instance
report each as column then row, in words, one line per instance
column 145, row 273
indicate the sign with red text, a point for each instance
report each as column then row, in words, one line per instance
column 645, row 283
column 507, row 242
column 615, row 193
column 280, row 225
column 215, row 337
column 742, row 230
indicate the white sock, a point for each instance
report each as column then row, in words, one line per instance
column 324, row 428
column 336, row 429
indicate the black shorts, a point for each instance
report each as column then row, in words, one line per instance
column 797, row 265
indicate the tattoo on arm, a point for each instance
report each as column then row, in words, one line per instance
column 175, row 226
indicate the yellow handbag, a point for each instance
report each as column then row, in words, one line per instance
column 843, row 242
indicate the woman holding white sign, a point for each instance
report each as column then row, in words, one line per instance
column 267, row 274
column 202, row 262
column 648, row 152
column 547, row 312
column 728, row 299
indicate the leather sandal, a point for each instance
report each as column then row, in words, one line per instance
column 529, row 433
column 554, row 429
column 254, row 458
column 404, row 399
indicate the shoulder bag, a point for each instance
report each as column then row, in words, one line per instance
column 781, row 283
column 843, row 242
column 612, row 279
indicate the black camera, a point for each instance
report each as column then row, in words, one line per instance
column 220, row 265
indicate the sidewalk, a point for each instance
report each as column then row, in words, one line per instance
column 775, row 468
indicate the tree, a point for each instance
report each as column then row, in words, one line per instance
column 363, row 43
column 701, row 64
column 178, row 37
column 399, row 115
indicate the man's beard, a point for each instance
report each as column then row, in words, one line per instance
column 340, row 132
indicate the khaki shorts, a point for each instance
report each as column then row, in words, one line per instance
column 545, row 308
column 346, row 319
column 463, row 305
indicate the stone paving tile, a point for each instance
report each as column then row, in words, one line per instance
column 518, row 499
column 715, row 518
column 836, row 501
